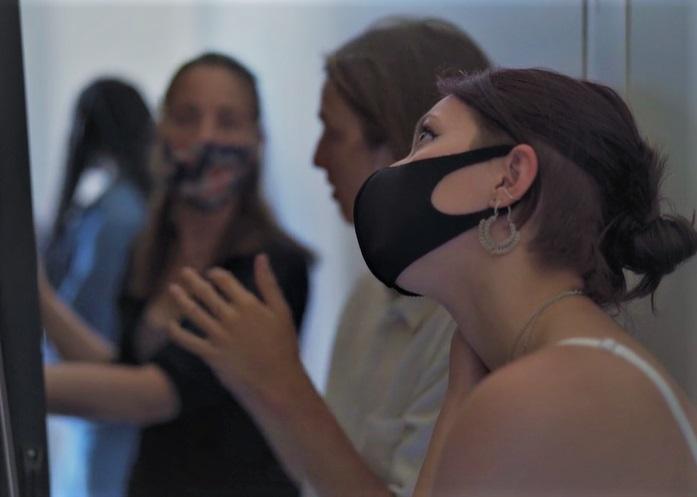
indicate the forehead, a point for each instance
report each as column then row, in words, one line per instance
column 212, row 85
column 332, row 103
column 452, row 110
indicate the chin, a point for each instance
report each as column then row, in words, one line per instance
column 412, row 283
column 425, row 276
column 346, row 213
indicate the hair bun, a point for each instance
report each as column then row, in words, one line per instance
column 655, row 249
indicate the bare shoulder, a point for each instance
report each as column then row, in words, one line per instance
column 562, row 417
column 538, row 396
column 559, row 381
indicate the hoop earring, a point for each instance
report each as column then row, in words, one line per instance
column 488, row 242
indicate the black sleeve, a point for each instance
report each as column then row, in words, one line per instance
column 194, row 381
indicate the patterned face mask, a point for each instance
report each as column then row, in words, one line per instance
column 207, row 176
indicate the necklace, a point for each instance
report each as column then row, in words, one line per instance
column 524, row 334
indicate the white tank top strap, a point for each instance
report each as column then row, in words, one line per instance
column 629, row 355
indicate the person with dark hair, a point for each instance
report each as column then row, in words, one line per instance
column 388, row 373
column 102, row 207
column 524, row 198
column 196, row 439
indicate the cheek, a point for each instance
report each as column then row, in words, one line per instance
column 343, row 176
column 247, row 137
column 178, row 137
column 463, row 191
column 361, row 174
column 361, row 163
column 426, row 274
column 338, row 160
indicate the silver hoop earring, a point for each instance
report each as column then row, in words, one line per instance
column 488, row 242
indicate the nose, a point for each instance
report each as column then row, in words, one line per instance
column 319, row 158
column 206, row 131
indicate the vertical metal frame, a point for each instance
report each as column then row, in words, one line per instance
column 22, row 406
column 606, row 32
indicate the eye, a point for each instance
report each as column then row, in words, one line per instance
column 228, row 120
column 425, row 135
column 330, row 131
column 184, row 116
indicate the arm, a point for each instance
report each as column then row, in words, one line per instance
column 262, row 367
column 306, row 436
column 73, row 338
column 132, row 394
column 466, row 371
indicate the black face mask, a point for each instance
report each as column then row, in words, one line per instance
column 395, row 220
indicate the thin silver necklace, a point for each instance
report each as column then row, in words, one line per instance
column 525, row 332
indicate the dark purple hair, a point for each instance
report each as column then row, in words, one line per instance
column 596, row 196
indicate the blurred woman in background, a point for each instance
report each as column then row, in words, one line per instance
column 206, row 210
column 102, row 207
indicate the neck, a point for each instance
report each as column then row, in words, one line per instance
column 496, row 299
column 199, row 232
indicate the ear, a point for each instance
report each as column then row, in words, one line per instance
column 257, row 146
column 517, row 176
column 260, row 136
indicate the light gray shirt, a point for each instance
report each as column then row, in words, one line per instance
column 388, row 378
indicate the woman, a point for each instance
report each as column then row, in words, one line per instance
column 196, row 439
column 573, row 406
column 102, row 203
column 102, row 208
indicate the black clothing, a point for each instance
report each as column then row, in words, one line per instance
column 213, row 448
